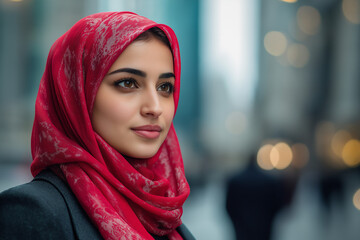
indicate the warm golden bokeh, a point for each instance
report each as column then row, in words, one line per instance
column 338, row 142
column 285, row 156
column 301, row 155
column 308, row 19
column 351, row 153
column 278, row 156
column 274, row 156
column 351, row 10
column 275, row 43
column 298, row 55
column 263, row 157
column 356, row 199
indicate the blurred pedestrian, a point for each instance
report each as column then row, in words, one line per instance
column 253, row 199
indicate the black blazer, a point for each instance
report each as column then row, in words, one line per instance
column 47, row 209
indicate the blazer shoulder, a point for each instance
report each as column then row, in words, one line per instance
column 185, row 233
column 35, row 210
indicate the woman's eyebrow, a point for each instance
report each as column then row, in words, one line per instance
column 141, row 73
column 167, row 75
column 129, row 70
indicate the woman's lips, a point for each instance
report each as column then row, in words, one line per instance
column 148, row 131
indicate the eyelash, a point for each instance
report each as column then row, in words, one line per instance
column 170, row 85
column 135, row 84
column 123, row 80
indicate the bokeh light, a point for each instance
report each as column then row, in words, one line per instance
column 356, row 199
column 289, row 1
column 275, row 43
column 277, row 156
column 301, row 155
column 274, row 156
column 351, row 153
column 263, row 157
column 298, row 55
column 351, row 10
column 281, row 155
column 308, row 19
column 338, row 142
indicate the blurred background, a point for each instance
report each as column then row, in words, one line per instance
column 269, row 112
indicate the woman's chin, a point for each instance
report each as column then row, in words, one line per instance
column 140, row 155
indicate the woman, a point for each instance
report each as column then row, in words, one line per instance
column 106, row 159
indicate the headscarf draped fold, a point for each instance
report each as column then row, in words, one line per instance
column 125, row 199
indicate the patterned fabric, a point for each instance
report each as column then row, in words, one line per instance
column 126, row 199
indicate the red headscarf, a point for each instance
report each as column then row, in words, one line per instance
column 123, row 198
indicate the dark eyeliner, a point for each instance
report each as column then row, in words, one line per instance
column 130, row 79
column 170, row 84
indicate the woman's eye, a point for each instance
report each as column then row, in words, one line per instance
column 126, row 83
column 166, row 87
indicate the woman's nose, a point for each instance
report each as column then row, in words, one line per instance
column 151, row 106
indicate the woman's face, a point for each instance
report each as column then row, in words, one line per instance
column 134, row 106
